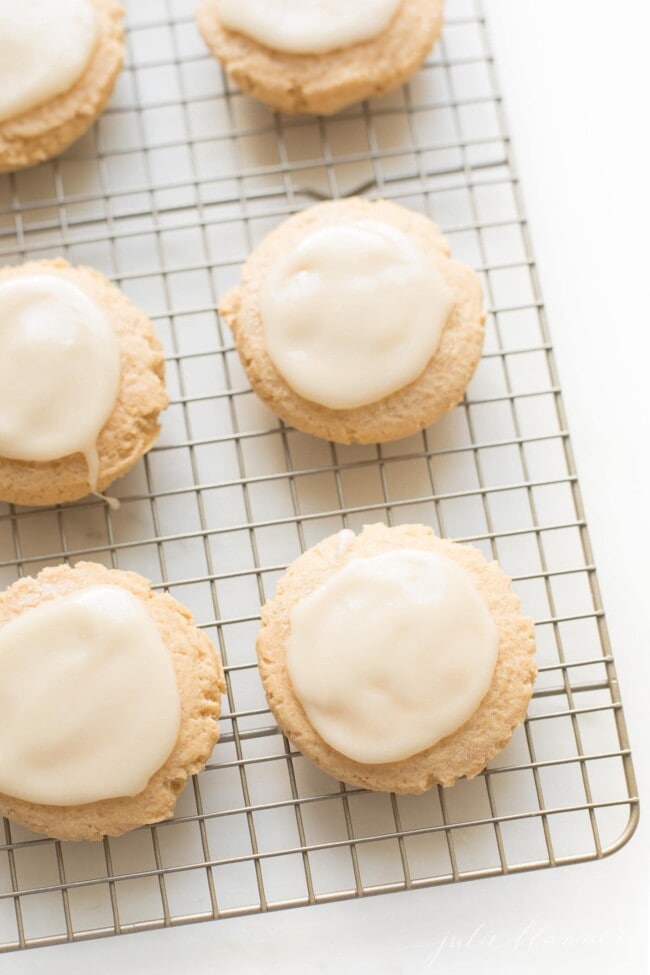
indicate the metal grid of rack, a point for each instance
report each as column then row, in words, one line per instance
column 166, row 195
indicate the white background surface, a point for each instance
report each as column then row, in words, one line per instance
column 576, row 86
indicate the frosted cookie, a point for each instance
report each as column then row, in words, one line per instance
column 396, row 660
column 58, row 65
column 354, row 324
column 109, row 700
column 81, row 383
column 306, row 57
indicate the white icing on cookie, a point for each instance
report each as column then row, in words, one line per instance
column 353, row 312
column 45, row 47
column 307, row 26
column 89, row 704
column 391, row 654
column 59, row 371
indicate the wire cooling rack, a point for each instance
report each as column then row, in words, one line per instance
column 167, row 195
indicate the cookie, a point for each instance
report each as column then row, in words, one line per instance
column 91, row 417
column 462, row 752
column 307, row 78
column 52, row 109
column 358, row 324
column 197, row 679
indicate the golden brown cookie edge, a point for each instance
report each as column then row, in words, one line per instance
column 323, row 84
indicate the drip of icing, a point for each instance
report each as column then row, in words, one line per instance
column 59, row 371
column 113, row 503
column 92, row 463
column 346, row 537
